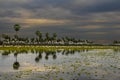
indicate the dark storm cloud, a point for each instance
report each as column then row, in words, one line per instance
column 77, row 6
column 88, row 19
column 99, row 7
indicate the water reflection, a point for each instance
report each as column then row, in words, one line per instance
column 38, row 57
column 48, row 53
column 81, row 64
column 41, row 54
column 16, row 64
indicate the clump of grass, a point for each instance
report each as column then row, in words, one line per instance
column 61, row 79
column 79, row 74
column 82, row 70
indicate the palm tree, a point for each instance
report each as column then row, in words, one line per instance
column 39, row 34
column 47, row 37
column 6, row 38
column 17, row 28
column 54, row 36
column 32, row 40
column 67, row 39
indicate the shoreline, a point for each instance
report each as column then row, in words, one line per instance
column 45, row 47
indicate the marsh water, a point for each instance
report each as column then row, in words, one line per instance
column 83, row 64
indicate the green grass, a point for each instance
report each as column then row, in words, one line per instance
column 53, row 48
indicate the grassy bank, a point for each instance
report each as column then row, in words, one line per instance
column 56, row 47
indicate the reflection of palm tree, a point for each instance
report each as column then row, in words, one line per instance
column 71, row 52
column 67, row 53
column 37, row 59
column 46, row 57
column 54, row 56
column 16, row 64
column 40, row 56
column 63, row 52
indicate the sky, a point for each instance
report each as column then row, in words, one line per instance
column 96, row 20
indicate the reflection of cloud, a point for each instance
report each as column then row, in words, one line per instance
column 31, row 67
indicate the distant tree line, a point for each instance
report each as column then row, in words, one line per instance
column 40, row 39
column 116, row 42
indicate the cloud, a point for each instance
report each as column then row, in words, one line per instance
column 96, row 33
column 90, row 27
column 35, row 21
column 85, row 18
column 14, row 1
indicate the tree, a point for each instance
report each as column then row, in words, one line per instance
column 6, row 37
column 47, row 36
column 17, row 28
column 16, row 37
column 1, row 42
column 67, row 39
column 115, row 42
column 39, row 34
column 32, row 40
column 54, row 36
